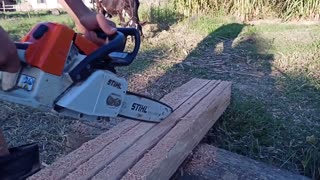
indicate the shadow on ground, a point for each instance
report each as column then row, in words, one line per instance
column 269, row 118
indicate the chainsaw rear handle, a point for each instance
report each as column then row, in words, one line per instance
column 122, row 58
column 114, row 49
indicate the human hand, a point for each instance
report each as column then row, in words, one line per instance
column 91, row 22
column 9, row 60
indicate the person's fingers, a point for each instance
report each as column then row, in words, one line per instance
column 88, row 35
column 105, row 25
column 92, row 36
column 111, row 23
column 96, row 39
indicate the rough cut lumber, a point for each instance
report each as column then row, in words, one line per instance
column 165, row 158
column 98, row 161
column 67, row 164
column 110, row 155
column 119, row 167
column 209, row 162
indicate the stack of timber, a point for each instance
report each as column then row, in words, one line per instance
column 141, row 150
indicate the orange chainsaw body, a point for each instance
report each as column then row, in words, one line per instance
column 49, row 45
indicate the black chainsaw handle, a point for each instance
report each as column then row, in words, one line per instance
column 114, row 49
column 121, row 58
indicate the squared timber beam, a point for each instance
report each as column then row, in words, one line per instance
column 135, row 150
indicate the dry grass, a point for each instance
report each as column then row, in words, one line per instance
column 24, row 125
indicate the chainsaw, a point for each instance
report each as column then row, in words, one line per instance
column 65, row 73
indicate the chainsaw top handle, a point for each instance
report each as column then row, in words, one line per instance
column 113, row 49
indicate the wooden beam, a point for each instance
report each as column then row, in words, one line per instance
column 165, row 158
column 116, row 140
column 143, row 143
column 209, row 162
column 70, row 162
column 126, row 160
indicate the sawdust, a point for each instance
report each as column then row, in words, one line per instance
column 133, row 176
column 203, row 156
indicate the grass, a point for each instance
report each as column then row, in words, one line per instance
column 143, row 62
column 252, row 9
column 277, row 121
column 248, row 129
column 160, row 15
column 247, row 123
column 273, row 117
column 17, row 25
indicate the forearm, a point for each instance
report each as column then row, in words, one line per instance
column 9, row 60
column 76, row 9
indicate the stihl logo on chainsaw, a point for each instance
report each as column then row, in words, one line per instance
column 139, row 108
column 114, row 84
column 26, row 82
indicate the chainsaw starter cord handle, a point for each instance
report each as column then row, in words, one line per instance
column 114, row 49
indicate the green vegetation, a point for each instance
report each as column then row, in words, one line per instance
column 252, row 9
column 278, row 121
column 274, row 119
column 18, row 24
